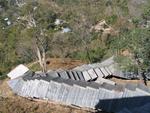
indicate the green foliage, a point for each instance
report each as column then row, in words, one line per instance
column 146, row 14
column 137, row 41
column 92, row 55
column 79, row 55
column 126, row 63
column 17, row 41
column 112, row 19
column 109, row 3
column 123, row 4
column 4, row 4
column 136, row 21
column 3, row 77
column 96, row 55
column 68, row 2
column 35, row 67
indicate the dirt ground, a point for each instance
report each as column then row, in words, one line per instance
column 66, row 63
column 56, row 63
column 122, row 81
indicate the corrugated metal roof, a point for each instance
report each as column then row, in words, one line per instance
column 19, row 71
column 92, row 74
column 125, row 110
column 102, row 80
column 12, row 83
column 80, row 75
column 75, row 75
column 71, row 96
column 53, row 91
column 52, row 74
column 104, row 71
column 63, row 74
column 42, row 89
column 86, row 76
column 109, row 72
column 18, row 86
column 71, row 87
column 143, row 109
column 83, row 94
column 71, row 76
column 98, row 72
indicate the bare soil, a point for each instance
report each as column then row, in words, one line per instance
column 63, row 63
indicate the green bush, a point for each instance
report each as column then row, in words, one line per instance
column 123, row 5
column 67, row 2
column 112, row 19
column 135, row 21
column 146, row 14
column 136, row 41
column 96, row 55
column 4, row 4
column 92, row 55
column 126, row 63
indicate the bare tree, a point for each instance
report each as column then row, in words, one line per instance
column 41, row 44
column 41, row 58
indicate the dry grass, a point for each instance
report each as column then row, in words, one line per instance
column 65, row 63
column 57, row 63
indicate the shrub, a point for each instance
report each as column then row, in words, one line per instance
column 112, row 19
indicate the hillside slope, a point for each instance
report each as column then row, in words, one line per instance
column 63, row 29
